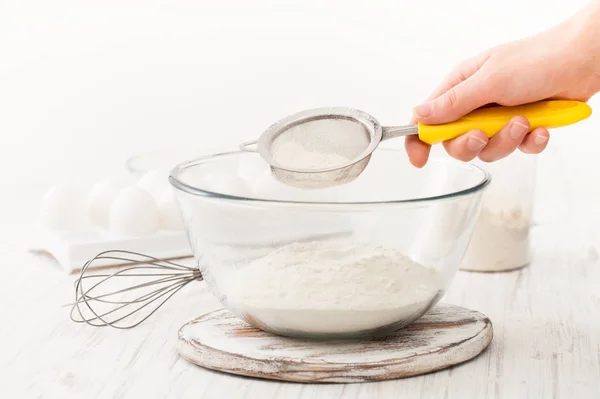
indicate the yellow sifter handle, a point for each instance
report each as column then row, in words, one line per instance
column 548, row 114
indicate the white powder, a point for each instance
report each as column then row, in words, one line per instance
column 294, row 156
column 332, row 287
column 500, row 241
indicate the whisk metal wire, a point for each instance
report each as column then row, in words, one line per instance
column 170, row 278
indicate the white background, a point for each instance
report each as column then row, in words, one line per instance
column 84, row 85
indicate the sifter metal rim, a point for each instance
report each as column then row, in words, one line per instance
column 366, row 120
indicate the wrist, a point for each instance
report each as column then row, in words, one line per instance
column 585, row 47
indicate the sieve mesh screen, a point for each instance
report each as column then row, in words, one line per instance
column 321, row 143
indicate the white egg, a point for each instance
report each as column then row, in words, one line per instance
column 100, row 200
column 170, row 216
column 251, row 169
column 265, row 186
column 231, row 185
column 134, row 212
column 63, row 208
column 156, row 182
column 207, row 182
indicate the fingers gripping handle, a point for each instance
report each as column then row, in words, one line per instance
column 549, row 114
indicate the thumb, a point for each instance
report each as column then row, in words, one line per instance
column 454, row 103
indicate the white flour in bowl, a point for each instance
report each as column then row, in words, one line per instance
column 332, row 287
column 500, row 241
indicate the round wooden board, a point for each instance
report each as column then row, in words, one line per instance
column 447, row 335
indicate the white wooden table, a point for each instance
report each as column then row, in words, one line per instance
column 546, row 320
column 78, row 99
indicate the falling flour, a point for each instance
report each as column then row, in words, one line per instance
column 332, row 287
column 500, row 241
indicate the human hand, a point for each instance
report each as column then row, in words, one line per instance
column 563, row 63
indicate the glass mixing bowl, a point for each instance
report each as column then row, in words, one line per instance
column 355, row 260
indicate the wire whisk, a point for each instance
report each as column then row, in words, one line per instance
column 109, row 302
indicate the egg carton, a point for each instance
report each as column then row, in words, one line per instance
column 137, row 215
column 72, row 249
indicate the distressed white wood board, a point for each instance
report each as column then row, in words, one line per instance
column 72, row 249
column 446, row 336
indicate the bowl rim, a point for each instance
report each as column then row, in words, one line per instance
column 180, row 185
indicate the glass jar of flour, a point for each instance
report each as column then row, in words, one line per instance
column 501, row 241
